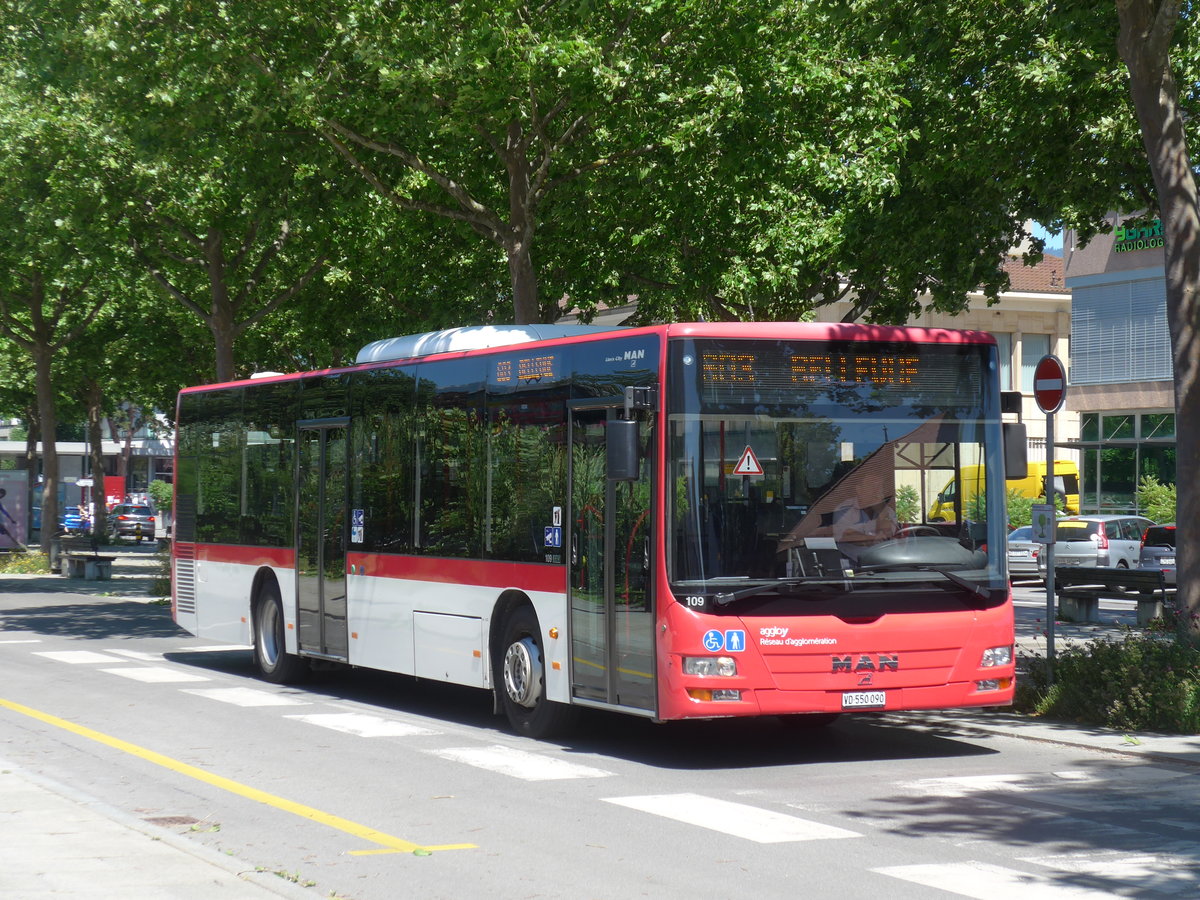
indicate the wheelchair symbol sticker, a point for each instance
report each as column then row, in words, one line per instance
column 713, row 641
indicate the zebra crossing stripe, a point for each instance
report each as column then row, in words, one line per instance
column 737, row 819
column 518, row 763
column 363, row 725
column 982, row 881
column 246, row 697
column 155, row 675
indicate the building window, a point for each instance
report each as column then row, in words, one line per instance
column 1089, row 427
column 1118, row 427
column 1004, row 349
column 1158, row 426
column 1033, row 348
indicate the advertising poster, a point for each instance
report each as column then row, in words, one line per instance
column 14, row 515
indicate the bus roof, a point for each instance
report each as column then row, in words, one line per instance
column 473, row 339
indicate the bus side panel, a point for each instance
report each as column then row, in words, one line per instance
column 223, row 601
column 432, row 618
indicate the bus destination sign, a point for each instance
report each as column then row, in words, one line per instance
column 856, row 367
column 526, row 370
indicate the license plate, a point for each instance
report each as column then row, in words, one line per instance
column 1167, row 560
column 1018, row 554
column 864, row 700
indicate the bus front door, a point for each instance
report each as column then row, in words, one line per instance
column 612, row 618
column 321, row 540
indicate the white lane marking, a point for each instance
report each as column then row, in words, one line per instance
column 155, row 675
column 138, row 655
column 219, row 648
column 76, row 657
column 973, row 784
column 760, row 825
column 246, row 697
column 363, row 725
column 518, row 763
column 982, row 881
column 23, row 641
column 1138, row 869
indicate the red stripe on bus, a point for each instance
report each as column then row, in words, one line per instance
column 484, row 573
column 280, row 557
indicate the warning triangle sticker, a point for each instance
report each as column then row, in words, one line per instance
column 748, row 464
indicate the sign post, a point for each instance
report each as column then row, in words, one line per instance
column 1050, row 390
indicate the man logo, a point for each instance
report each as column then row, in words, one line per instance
column 865, row 663
column 634, row 354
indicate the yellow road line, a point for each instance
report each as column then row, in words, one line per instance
column 391, row 843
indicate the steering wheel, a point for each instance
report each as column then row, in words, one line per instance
column 917, row 531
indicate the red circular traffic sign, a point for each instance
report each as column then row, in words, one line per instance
column 1049, row 384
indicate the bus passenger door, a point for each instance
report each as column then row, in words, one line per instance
column 321, row 539
column 612, row 620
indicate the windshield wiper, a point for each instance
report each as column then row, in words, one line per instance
column 974, row 586
column 733, row 596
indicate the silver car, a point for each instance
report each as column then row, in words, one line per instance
column 1104, row 541
column 1158, row 551
column 1023, row 553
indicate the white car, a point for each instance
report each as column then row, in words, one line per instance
column 1098, row 541
column 1023, row 553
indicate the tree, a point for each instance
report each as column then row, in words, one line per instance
column 232, row 215
column 58, row 217
column 1148, row 31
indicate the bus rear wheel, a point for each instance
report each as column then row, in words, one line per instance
column 274, row 663
column 520, row 679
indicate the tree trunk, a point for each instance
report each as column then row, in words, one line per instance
column 220, row 319
column 1145, row 38
column 95, row 436
column 524, row 285
column 42, row 356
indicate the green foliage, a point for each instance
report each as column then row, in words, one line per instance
column 1020, row 508
column 1156, row 500
column 1140, row 683
column 908, row 504
column 162, row 494
column 24, row 564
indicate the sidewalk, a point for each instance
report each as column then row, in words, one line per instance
column 63, row 844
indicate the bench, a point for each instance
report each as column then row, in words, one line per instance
column 1080, row 590
column 79, row 557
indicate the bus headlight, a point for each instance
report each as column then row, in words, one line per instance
column 719, row 666
column 996, row 656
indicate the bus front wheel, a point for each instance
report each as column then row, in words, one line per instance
column 520, row 679
column 274, row 663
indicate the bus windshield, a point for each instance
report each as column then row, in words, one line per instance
column 804, row 470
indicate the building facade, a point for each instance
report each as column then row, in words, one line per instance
column 1121, row 374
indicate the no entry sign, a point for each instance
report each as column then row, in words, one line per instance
column 1049, row 384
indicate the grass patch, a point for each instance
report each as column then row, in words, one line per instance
column 24, row 563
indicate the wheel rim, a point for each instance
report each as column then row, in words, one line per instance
column 523, row 672
column 269, row 634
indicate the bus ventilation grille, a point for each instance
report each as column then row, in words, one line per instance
column 185, row 579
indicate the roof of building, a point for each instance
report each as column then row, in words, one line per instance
column 1044, row 278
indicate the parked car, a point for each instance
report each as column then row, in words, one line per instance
column 1104, row 541
column 1023, row 553
column 72, row 521
column 132, row 520
column 1158, row 551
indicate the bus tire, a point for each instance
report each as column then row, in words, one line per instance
column 520, row 679
column 273, row 662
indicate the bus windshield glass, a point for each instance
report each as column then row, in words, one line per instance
column 809, row 470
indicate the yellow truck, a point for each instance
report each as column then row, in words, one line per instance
column 1033, row 485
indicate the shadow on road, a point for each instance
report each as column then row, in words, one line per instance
column 92, row 621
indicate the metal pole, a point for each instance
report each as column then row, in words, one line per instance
column 1051, row 599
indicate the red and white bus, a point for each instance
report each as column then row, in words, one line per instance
column 678, row 521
